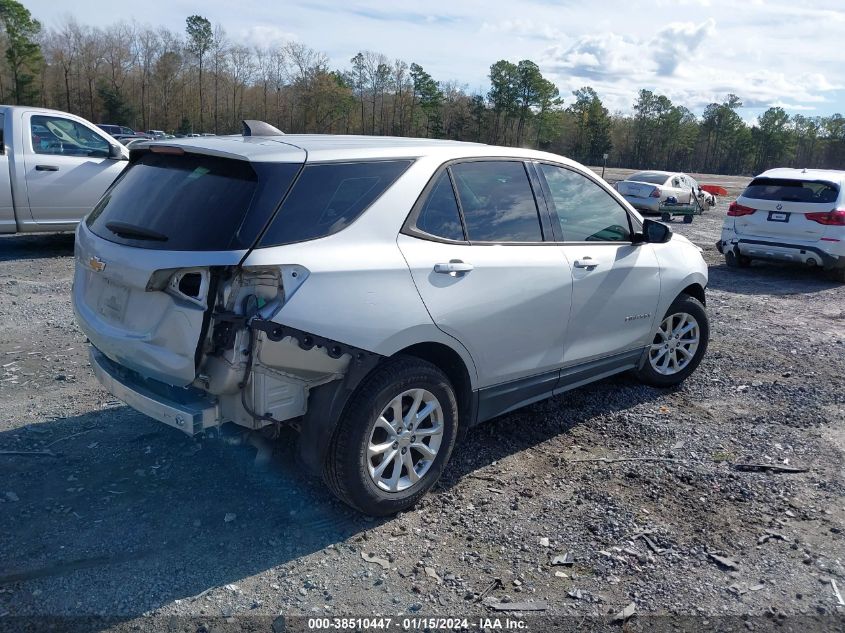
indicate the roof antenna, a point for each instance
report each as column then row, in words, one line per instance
column 259, row 128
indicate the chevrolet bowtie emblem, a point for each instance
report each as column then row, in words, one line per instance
column 97, row 264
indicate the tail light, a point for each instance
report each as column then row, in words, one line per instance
column 829, row 218
column 737, row 210
column 655, row 193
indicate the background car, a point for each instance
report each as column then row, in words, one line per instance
column 646, row 190
column 125, row 139
column 121, row 130
column 789, row 215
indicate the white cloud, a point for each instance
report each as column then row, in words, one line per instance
column 606, row 55
column 678, row 42
column 694, row 51
column 264, row 36
column 522, row 27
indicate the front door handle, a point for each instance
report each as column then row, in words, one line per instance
column 455, row 267
column 46, row 168
column 585, row 262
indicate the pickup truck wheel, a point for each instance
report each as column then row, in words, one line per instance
column 394, row 438
column 838, row 274
column 732, row 260
column 678, row 345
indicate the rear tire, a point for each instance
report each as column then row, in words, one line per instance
column 376, row 462
column 838, row 275
column 734, row 261
column 678, row 346
column 687, row 219
column 665, row 217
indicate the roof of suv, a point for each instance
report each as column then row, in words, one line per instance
column 829, row 175
column 328, row 147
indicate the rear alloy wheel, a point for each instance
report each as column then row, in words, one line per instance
column 678, row 344
column 394, row 439
column 405, row 440
column 732, row 260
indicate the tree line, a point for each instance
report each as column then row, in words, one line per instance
column 199, row 80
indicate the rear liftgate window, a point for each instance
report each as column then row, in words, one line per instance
column 328, row 197
column 191, row 202
column 785, row 190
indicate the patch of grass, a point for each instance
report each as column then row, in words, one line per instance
column 722, row 456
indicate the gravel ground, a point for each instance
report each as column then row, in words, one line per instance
column 637, row 489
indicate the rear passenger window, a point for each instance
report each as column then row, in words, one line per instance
column 329, row 197
column 440, row 216
column 497, row 202
column 587, row 213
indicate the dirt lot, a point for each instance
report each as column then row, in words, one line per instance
column 129, row 519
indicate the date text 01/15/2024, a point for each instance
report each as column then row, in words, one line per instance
column 415, row 624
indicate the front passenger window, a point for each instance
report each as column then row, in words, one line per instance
column 63, row 137
column 586, row 212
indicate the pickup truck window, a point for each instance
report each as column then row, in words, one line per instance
column 59, row 136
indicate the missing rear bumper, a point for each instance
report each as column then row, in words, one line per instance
column 186, row 409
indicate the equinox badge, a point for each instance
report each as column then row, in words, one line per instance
column 97, row 264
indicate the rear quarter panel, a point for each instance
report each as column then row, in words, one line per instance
column 7, row 205
column 359, row 290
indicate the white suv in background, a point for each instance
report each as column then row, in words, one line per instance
column 376, row 294
column 790, row 215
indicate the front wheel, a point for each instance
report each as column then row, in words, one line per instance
column 678, row 345
column 394, row 439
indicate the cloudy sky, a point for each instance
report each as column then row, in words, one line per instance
column 769, row 52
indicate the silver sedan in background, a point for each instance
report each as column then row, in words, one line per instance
column 646, row 190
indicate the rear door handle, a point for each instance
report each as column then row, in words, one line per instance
column 46, row 168
column 585, row 262
column 455, row 267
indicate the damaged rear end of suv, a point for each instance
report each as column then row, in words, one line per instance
column 179, row 316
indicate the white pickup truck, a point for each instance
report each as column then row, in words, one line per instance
column 54, row 167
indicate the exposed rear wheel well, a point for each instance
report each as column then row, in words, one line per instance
column 695, row 291
column 451, row 364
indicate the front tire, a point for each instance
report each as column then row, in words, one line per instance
column 394, row 439
column 678, row 346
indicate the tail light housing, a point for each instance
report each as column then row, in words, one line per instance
column 737, row 210
column 828, row 218
column 655, row 193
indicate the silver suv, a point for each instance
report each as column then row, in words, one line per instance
column 379, row 295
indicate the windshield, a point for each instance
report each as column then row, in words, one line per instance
column 786, row 190
column 649, row 177
column 191, row 202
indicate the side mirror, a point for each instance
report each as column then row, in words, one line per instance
column 655, row 232
column 116, row 152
